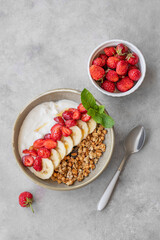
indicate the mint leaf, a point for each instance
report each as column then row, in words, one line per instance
column 87, row 99
column 101, row 109
column 91, row 112
column 97, row 118
column 107, row 121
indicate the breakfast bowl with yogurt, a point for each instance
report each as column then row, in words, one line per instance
column 58, row 144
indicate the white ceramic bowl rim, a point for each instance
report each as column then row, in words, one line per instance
column 134, row 49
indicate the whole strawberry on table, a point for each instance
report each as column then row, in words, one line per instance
column 116, row 68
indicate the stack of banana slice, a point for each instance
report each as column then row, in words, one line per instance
column 64, row 147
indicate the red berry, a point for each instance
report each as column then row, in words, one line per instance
column 103, row 56
column 30, row 152
column 132, row 67
column 50, row 143
column 67, row 115
column 70, row 123
column 99, row 62
column 85, row 117
column 38, row 143
column 44, row 153
column 121, row 49
column 132, row 58
column 112, row 76
column 81, row 108
column 47, row 136
column 56, row 134
column 56, row 126
column 72, row 110
column 125, row 84
column 122, row 67
column 97, row 73
column 37, row 165
column 121, row 57
column 112, row 62
column 108, row 86
column 110, row 51
column 66, row 131
column 59, row 120
column 77, row 115
column 25, row 200
column 134, row 74
column 28, row 160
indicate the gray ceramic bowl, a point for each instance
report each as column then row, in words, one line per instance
column 55, row 95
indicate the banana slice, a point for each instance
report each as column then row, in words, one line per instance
column 84, row 128
column 61, row 149
column 47, row 169
column 91, row 125
column 68, row 143
column 76, row 135
column 55, row 157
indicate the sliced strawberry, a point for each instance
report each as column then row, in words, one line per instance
column 38, row 143
column 70, row 123
column 81, row 108
column 56, row 134
column 85, row 117
column 72, row 110
column 47, row 136
column 66, row 131
column 30, row 152
column 37, row 165
column 59, row 120
column 56, row 126
column 50, row 143
column 28, row 160
column 67, row 115
column 77, row 115
column 44, row 153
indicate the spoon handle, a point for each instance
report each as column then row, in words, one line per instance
column 108, row 192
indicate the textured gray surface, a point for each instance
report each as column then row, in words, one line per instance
column 45, row 44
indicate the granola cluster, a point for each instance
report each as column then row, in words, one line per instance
column 83, row 158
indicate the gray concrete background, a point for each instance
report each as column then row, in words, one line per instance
column 45, row 44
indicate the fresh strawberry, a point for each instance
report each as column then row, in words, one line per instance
column 66, row 131
column 59, row 120
column 38, row 143
column 132, row 58
column 50, row 143
column 70, row 123
column 85, row 117
column 134, row 74
column 56, row 126
column 121, row 49
column 132, row 67
column 28, row 160
column 97, row 73
column 77, row 115
column 122, row 67
column 108, row 86
column 99, row 62
column 121, row 57
column 30, row 152
column 47, row 136
column 25, row 200
column 81, row 108
column 125, row 84
column 103, row 56
column 44, row 153
column 109, row 51
column 37, row 165
column 72, row 110
column 112, row 76
column 112, row 62
column 67, row 115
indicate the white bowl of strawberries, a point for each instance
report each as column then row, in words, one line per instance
column 117, row 68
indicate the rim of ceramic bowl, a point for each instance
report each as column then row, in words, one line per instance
column 73, row 187
column 133, row 48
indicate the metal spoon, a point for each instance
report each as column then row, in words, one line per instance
column 132, row 144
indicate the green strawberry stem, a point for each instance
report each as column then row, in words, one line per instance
column 29, row 203
column 31, row 207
